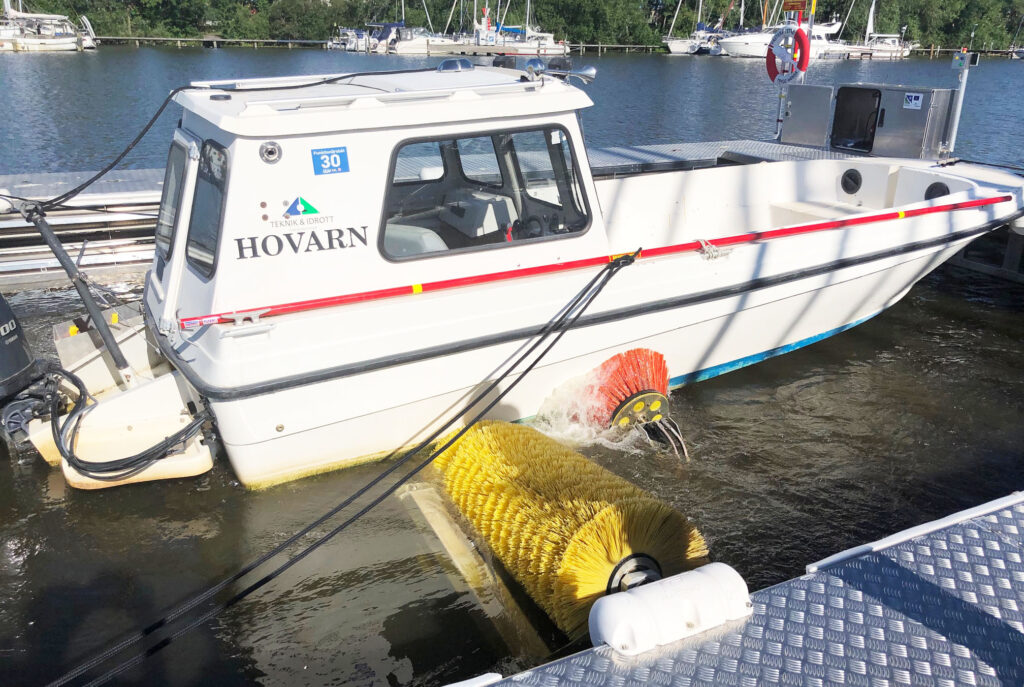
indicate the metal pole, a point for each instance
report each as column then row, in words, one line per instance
column 429, row 23
column 672, row 27
column 34, row 215
column 958, row 104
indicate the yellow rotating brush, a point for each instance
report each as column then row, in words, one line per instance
column 568, row 530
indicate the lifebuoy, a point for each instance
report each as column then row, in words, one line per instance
column 796, row 59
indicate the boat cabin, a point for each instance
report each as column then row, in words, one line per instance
column 363, row 180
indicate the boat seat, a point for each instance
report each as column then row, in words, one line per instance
column 476, row 213
column 401, row 240
column 801, row 212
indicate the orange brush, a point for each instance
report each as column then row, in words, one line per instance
column 627, row 388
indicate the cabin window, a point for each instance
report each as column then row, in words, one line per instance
column 479, row 161
column 482, row 191
column 170, row 199
column 419, row 162
column 207, row 208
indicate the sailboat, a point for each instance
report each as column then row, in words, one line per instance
column 525, row 40
column 703, row 40
column 886, row 46
column 29, row 32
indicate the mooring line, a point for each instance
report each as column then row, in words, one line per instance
column 561, row 323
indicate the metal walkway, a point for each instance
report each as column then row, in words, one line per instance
column 939, row 604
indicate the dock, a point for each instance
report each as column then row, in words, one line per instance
column 938, row 604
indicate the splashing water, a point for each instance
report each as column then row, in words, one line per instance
column 564, row 413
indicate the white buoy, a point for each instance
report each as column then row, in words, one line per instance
column 640, row 619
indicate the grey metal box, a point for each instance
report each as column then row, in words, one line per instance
column 910, row 121
column 806, row 120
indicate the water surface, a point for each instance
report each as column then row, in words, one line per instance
column 911, row 416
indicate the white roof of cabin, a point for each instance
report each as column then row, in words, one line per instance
column 372, row 101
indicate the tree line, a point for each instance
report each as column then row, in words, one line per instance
column 948, row 23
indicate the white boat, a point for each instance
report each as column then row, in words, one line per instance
column 351, row 40
column 703, row 41
column 341, row 266
column 31, row 32
column 883, row 46
column 756, row 44
column 420, row 41
column 521, row 41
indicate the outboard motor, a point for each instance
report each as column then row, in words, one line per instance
column 18, row 367
column 22, row 394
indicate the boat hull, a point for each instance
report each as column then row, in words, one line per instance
column 699, row 340
column 40, row 44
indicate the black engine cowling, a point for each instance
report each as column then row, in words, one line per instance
column 18, row 367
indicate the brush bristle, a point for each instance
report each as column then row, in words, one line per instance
column 559, row 523
column 622, row 376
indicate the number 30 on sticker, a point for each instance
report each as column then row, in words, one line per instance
column 330, row 160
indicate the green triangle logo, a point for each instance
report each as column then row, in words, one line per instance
column 300, row 206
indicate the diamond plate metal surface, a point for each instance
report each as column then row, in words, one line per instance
column 635, row 158
column 945, row 608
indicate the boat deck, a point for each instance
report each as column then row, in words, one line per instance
column 939, row 604
column 117, row 214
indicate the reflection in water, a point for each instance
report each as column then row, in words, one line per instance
column 906, row 418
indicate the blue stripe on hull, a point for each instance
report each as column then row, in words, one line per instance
column 709, row 372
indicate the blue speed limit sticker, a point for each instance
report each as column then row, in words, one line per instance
column 330, row 160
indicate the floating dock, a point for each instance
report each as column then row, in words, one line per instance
column 938, row 604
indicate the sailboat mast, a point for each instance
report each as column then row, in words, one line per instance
column 742, row 8
column 672, row 26
column 700, row 10
column 870, row 29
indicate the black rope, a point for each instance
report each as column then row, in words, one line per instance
column 99, row 208
column 65, row 433
column 58, row 200
column 561, row 322
column 1012, row 168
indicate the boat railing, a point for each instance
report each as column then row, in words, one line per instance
column 348, row 99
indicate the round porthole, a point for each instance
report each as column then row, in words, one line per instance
column 851, row 181
column 936, row 190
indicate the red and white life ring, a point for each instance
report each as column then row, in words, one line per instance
column 794, row 59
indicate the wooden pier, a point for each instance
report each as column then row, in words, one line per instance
column 212, row 42
column 443, row 49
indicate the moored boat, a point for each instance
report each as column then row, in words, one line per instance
column 324, row 304
column 756, row 44
column 33, row 32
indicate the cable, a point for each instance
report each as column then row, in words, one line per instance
column 65, row 433
column 561, row 322
column 570, row 318
column 1013, row 168
column 101, row 209
column 56, row 201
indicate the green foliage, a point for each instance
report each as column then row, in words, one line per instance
column 948, row 23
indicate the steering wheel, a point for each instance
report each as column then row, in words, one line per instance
column 532, row 227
